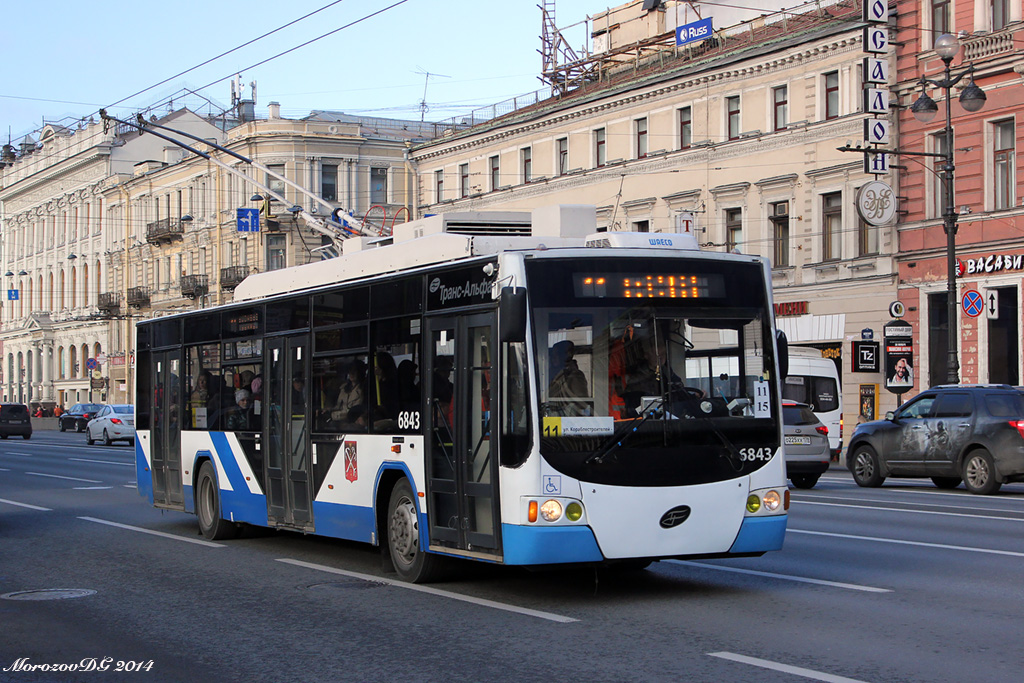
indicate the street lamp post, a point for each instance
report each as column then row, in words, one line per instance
column 972, row 99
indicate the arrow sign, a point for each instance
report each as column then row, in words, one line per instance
column 992, row 304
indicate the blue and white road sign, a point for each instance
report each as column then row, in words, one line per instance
column 691, row 33
column 973, row 303
column 12, row 295
column 248, row 220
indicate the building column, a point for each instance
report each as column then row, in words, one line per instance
column 46, row 359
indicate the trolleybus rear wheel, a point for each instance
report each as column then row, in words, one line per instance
column 211, row 524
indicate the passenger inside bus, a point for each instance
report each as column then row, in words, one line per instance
column 408, row 387
column 352, row 392
column 567, row 380
column 239, row 416
column 444, row 390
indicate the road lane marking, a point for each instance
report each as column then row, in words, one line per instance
column 161, row 534
column 784, row 668
column 104, row 462
column 920, row 544
column 92, row 488
column 57, row 476
column 433, row 591
column 914, row 512
column 933, row 505
column 785, row 577
column 25, row 505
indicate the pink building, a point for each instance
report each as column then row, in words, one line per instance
column 988, row 188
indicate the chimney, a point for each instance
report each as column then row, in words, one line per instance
column 274, row 109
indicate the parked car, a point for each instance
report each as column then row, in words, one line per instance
column 950, row 433
column 15, row 420
column 805, row 440
column 112, row 423
column 78, row 416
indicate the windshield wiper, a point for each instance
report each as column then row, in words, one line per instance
column 623, row 435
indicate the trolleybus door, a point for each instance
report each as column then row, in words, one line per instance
column 462, row 463
column 165, row 444
column 287, row 422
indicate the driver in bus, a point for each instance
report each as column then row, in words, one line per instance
column 568, row 380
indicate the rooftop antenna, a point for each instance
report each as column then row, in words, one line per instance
column 426, row 81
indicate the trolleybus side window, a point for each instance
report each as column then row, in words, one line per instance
column 395, row 394
column 339, row 394
column 205, row 388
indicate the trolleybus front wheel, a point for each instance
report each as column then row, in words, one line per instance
column 211, row 524
column 403, row 534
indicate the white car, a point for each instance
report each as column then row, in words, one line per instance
column 112, row 423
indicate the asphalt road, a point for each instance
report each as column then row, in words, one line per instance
column 902, row 583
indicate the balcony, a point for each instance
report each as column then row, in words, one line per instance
column 194, row 286
column 164, row 230
column 232, row 276
column 138, row 297
column 109, row 302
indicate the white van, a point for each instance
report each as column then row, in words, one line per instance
column 814, row 380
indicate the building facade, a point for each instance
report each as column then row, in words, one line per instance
column 987, row 190
column 134, row 227
column 736, row 140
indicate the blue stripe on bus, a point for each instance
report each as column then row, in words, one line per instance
column 143, row 476
column 549, row 545
column 351, row 522
column 238, row 505
column 760, row 534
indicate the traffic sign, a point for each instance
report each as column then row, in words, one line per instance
column 91, row 363
column 248, row 220
column 973, row 303
column 992, row 304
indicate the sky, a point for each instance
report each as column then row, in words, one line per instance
column 66, row 60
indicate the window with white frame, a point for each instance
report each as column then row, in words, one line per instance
column 562, row 152
column 439, row 185
column 379, row 185
column 1000, row 13
column 831, row 226
column 463, row 180
column 940, row 18
column 1003, row 175
column 599, row 148
column 526, row 163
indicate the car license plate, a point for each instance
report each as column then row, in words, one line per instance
column 797, row 440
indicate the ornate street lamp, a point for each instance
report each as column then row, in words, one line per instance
column 972, row 99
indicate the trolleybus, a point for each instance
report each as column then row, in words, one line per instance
column 513, row 388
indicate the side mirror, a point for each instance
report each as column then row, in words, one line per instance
column 890, row 416
column 512, row 314
column 782, row 343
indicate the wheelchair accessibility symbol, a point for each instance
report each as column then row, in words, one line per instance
column 552, row 484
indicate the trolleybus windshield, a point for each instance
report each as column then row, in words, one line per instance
column 653, row 372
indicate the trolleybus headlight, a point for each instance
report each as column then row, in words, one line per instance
column 753, row 503
column 772, row 501
column 573, row 511
column 551, row 510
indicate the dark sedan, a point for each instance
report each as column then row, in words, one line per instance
column 79, row 416
column 954, row 433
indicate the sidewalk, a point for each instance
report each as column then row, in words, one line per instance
column 43, row 423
